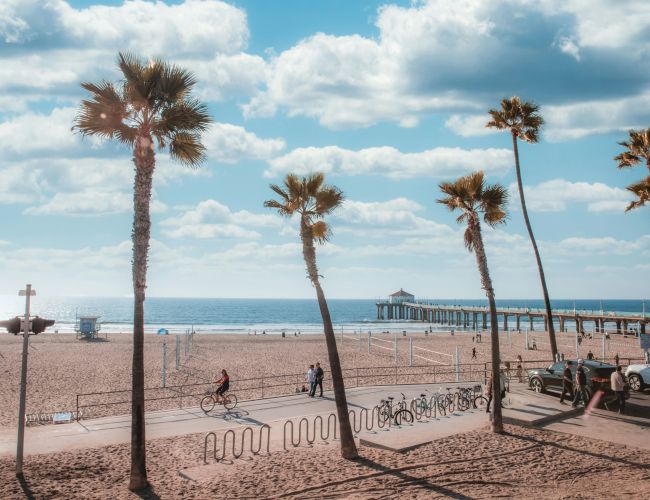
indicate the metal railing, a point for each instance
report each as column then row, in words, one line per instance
column 184, row 395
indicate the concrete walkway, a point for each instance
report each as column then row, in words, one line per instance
column 114, row 430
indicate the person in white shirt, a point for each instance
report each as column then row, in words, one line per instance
column 311, row 378
column 618, row 386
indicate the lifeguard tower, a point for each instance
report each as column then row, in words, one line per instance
column 87, row 327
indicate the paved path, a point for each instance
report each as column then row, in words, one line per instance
column 113, row 430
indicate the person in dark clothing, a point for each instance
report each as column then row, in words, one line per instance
column 580, row 390
column 319, row 379
column 567, row 383
column 590, row 355
column 473, row 352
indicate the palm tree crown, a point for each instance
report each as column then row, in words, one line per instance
column 310, row 198
column 521, row 118
column 637, row 150
column 152, row 100
column 472, row 196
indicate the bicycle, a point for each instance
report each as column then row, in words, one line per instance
column 228, row 400
column 435, row 405
column 402, row 414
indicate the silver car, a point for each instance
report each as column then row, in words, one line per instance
column 638, row 376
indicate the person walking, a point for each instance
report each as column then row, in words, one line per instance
column 617, row 360
column 567, row 383
column 580, row 389
column 590, row 355
column 473, row 352
column 488, row 389
column 319, row 379
column 311, row 379
column 520, row 369
column 618, row 386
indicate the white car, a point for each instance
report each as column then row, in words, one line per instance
column 638, row 376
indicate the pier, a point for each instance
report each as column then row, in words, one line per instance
column 476, row 317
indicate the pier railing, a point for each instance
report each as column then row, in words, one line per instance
column 188, row 395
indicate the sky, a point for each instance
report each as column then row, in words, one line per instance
column 387, row 98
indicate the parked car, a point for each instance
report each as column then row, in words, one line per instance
column 550, row 379
column 638, row 376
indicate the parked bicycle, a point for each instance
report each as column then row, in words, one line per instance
column 435, row 405
column 398, row 414
column 228, row 400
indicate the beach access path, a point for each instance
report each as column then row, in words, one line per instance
column 524, row 407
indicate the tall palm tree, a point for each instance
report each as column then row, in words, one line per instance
column 149, row 106
column 312, row 200
column 637, row 150
column 472, row 197
column 524, row 122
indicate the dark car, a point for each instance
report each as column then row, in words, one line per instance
column 550, row 379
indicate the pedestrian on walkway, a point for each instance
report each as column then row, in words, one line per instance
column 567, row 383
column 473, row 352
column 311, row 379
column 618, row 386
column 590, row 355
column 488, row 389
column 319, row 379
column 520, row 369
column 580, row 387
column 617, row 360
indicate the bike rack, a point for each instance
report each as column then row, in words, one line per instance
column 247, row 431
column 324, row 430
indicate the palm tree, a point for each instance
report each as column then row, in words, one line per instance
column 637, row 150
column 311, row 200
column 524, row 122
column 150, row 105
column 473, row 197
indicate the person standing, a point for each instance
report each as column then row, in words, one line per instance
column 319, row 379
column 617, row 360
column 580, row 388
column 520, row 369
column 311, row 379
column 567, row 384
column 618, row 386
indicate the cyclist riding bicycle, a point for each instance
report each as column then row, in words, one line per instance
column 224, row 385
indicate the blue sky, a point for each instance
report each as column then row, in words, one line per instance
column 388, row 98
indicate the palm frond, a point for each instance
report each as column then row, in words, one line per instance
column 321, row 231
column 184, row 116
column 637, row 149
column 468, row 238
column 327, row 199
column 641, row 190
column 135, row 85
column 175, row 84
column 522, row 118
column 187, row 149
column 103, row 115
column 283, row 209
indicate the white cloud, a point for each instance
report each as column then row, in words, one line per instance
column 211, row 219
column 568, row 46
column 579, row 119
column 555, row 196
column 469, row 125
column 32, row 133
column 230, row 143
column 91, row 203
column 390, row 162
column 605, row 245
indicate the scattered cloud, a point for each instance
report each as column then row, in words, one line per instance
column 230, row 143
column 557, row 194
column 390, row 162
column 211, row 219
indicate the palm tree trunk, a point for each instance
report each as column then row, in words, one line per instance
column 481, row 261
column 143, row 157
column 348, row 446
column 547, row 301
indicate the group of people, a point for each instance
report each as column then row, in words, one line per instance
column 315, row 376
column 575, row 386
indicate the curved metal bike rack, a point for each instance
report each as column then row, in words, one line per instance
column 237, row 454
column 325, row 430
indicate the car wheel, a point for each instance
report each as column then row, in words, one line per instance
column 635, row 382
column 537, row 385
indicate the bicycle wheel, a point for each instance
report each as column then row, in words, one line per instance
column 463, row 403
column 383, row 416
column 449, row 403
column 230, row 401
column 480, row 402
column 442, row 409
column 403, row 416
column 207, row 403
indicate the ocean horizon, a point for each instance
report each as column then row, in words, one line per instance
column 206, row 315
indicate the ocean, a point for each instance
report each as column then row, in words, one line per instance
column 254, row 315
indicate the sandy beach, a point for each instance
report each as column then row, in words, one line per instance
column 60, row 366
column 523, row 463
